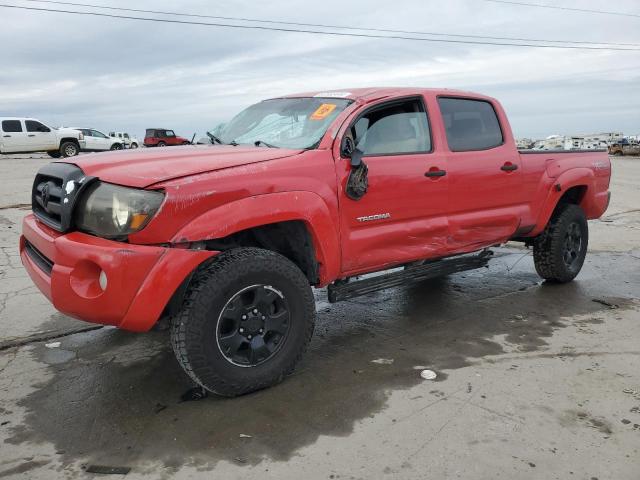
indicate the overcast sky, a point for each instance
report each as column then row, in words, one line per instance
column 115, row 74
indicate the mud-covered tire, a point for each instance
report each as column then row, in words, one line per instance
column 556, row 253
column 195, row 330
column 69, row 149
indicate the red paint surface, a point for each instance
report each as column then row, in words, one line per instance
column 213, row 191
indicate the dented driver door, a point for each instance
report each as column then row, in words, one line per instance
column 402, row 215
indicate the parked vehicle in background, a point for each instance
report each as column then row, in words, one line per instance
column 127, row 140
column 96, row 141
column 619, row 149
column 28, row 135
column 161, row 137
column 315, row 189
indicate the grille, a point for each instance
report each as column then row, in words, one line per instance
column 48, row 200
column 54, row 193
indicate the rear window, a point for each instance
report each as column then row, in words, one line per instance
column 470, row 124
column 150, row 133
column 11, row 126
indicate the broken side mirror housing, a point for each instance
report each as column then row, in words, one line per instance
column 348, row 149
column 347, row 146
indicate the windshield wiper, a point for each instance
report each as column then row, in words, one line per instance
column 214, row 139
column 257, row 143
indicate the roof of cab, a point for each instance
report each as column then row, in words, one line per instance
column 374, row 93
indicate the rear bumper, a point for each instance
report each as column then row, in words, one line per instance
column 140, row 279
column 595, row 205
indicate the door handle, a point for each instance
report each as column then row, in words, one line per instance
column 31, row 135
column 509, row 167
column 435, row 172
column 6, row 136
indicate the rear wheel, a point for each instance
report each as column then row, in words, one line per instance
column 559, row 251
column 246, row 320
column 116, row 146
column 69, row 149
column 134, row 145
column 161, row 144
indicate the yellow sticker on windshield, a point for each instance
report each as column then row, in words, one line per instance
column 323, row 111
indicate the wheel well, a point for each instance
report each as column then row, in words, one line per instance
column 573, row 196
column 74, row 140
column 290, row 239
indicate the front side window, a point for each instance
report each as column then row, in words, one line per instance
column 86, row 132
column 400, row 128
column 98, row 134
column 470, row 124
column 11, row 126
column 298, row 123
column 34, row 126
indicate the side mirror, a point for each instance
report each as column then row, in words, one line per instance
column 348, row 149
column 347, row 146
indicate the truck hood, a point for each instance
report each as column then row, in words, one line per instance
column 146, row 166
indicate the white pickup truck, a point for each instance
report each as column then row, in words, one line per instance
column 127, row 140
column 28, row 135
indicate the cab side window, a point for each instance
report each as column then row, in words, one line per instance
column 11, row 126
column 97, row 134
column 470, row 124
column 401, row 128
column 33, row 126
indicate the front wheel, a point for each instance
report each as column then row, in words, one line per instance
column 559, row 251
column 246, row 320
column 134, row 145
column 116, row 146
column 69, row 149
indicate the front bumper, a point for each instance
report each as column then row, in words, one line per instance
column 140, row 279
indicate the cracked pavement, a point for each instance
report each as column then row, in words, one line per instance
column 534, row 380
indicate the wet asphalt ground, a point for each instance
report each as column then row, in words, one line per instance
column 533, row 380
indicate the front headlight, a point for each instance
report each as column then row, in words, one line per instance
column 112, row 211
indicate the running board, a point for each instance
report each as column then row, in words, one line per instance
column 410, row 274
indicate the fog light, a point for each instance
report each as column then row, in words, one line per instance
column 102, row 280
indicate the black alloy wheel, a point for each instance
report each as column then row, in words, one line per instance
column 253, row 325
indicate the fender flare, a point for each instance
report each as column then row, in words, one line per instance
column 576, row 177
column 258, row 210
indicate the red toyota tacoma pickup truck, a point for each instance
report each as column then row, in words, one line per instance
column 308, row 190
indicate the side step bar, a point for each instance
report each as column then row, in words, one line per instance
column 342, row 290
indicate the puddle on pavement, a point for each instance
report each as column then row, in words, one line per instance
column 118, row 400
